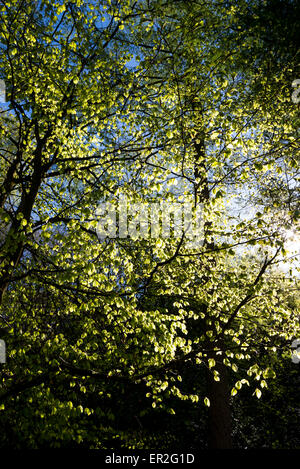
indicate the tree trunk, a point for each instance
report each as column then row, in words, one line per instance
column 219, row 417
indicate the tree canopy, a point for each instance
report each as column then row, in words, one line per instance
column 158, row 103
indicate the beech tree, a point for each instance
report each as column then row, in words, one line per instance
column 146, row 100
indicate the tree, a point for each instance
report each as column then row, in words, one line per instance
column 116, row 99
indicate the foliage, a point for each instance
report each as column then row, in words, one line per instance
column 109, row 99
